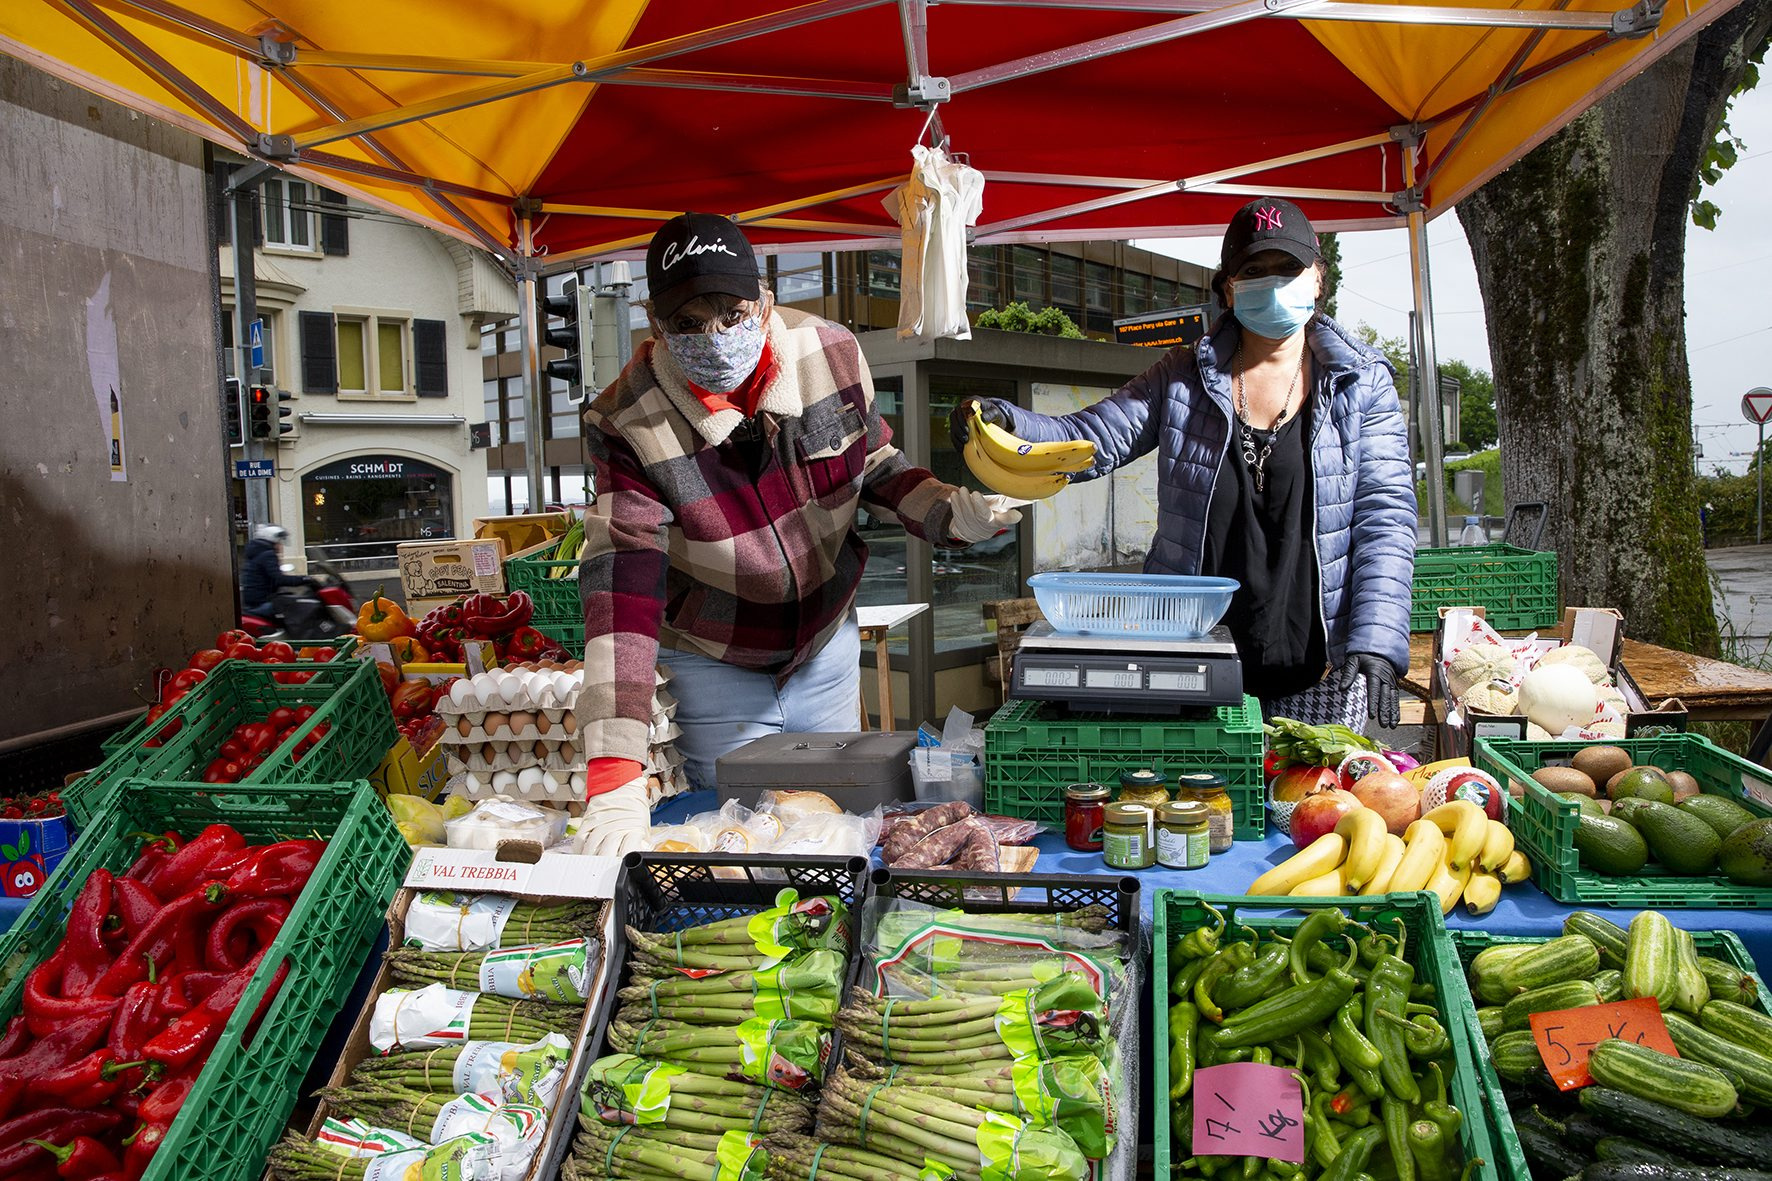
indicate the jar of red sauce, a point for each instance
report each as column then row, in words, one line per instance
column 1084, row 805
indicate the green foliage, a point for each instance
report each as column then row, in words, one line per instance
column 1731, row 502
column 1331, row 244
column 1477, row 426
column 1723, row 151
column 1494, row 495
column 1018, row 317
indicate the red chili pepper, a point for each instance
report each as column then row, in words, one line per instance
column 17, row 1152
column 84, row 944
column 157, row 943
column 90, row 1080
column 138, row 1019
column 155, row 849
column 185, row 868
column 134, row 906
column 282, row 868
column 81, row 1159
column 164, row 1101
column 67, row 1042
column 255, row 923
column 184, row 991
column 46, row 1003
column 16, row 1038
column 190, row 1038
column 139, row 1149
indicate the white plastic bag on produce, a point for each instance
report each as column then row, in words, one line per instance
column 419, row 1019
column 531, row 1074
column 440, row 921
column 517, row 1127
column 359, row 1138
column 464, row 1158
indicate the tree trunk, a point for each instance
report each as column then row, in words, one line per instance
column 1580, row 252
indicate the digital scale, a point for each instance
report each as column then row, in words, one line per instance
column 1127, row 674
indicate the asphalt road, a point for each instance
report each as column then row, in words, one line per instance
column 1741, row 587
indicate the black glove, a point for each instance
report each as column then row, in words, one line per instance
column 1381, row 686
column 960, row 420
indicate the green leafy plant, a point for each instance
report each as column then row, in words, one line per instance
column 1019, row 317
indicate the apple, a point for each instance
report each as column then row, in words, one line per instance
column 1392, row 797
column 1319, row 813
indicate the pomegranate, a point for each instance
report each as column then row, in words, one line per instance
column 1392, row 797
column 1319, row 812
column 1298, row 780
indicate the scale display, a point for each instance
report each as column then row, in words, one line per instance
column 1053, row 678
column 1113, row 678
column 1178, row 682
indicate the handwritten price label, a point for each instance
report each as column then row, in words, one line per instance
column 1246, row 1109
column 1566, row 1036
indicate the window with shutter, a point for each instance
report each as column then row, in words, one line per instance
column 319, row 354
column 335, row 228
column 430, row 350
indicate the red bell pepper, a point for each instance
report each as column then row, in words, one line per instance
column 487, row 616
column 279, row 869
column 17, row 1150
column 189, row 1039
column 242, row 931
column 155, row 850
column 184, row 869
column 81, row 1159
column 527, row 644
column 172, row 931
column 84, row 942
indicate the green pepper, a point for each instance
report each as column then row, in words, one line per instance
column 1330, row 921
column 1387, row 992
column 1447, row 1117
column 1350, row 1044
column 1262, row 1055
column 1321, row 1060
column 1252, row 1168
column 1356, row 1150
column 1184, row 1022
column 1394, row 1117
column 1181, row 1123
column 1208, row 1051
column 1424, row 994
column 1295, row 1009
column 1284, row 1170
column 1254, row 981
column 1369, row 1082
column 1181, row 981
column 1202, row 942
column 1321, row 1144
column 1373, row 948
column 1224, row 961
column 1427, row 1145
column 1424, row 1036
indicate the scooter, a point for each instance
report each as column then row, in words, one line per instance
column 306, row 614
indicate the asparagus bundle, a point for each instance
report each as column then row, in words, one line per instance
column 556, row 973
column 469, row 1158
column 709, row 1116
column 785, row 1054
column 623, row 1089
column 526, row 1073
column 430, row 1116
column 644, row 1152
column 443, row 921
column 804, row 986
column 487, row 1019
column 913, row 1125
column 795, row 1158
column 667, row 951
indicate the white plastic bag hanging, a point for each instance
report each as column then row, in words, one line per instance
column 933, row 208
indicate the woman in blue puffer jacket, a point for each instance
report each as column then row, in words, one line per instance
column 1282, row 462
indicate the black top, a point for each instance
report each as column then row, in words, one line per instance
column 1266, row 541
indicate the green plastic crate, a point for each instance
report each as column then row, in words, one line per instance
column 347, row 698
column 249, row 1085
column 570, row 636
column 1473, row 1087
column 137, row 730
column 556, row 599
column 1517, row 588
column 1034, row 750
column 1544, row 825
column 1722, row 945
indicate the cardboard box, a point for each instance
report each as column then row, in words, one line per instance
column 524, row 531
column 556, row 877
column 447, row 569
column 403, row 771
column 1598, row 628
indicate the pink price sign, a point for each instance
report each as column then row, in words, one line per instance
column 1247, row 1109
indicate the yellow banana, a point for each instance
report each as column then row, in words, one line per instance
column 1449, row 883
column 1467, row 827
column 1424, row 856
column 1040, row 459
column 1330, row 885
column 1019, row 485
column 1380, row 882
column 1319, row 857
column 1516, row 869
column 1365, row 833
column 1498, row 846
column 1481, row 893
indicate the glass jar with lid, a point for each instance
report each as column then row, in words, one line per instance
column 1144, row 786
column 1183, row 835
column 1128, row 836
column 1083, row 815
column 1204, row 787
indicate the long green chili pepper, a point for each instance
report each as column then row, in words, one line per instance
column 1427, row 1144
column 1393, row 1115
column 1356, row 1150
column 1252, row 982
column 1184, row 1022
column 1284, row 1170
column 1352, row 1046
column 1321, row 1060
column 1318, row 924
column 1224, row 961
column 1252, row 1168
column 1424, row 1036
column 1447, row 1117
column 1424, row 994
column 1374, row 947
column 1181, row 981
column 1295, row 1009
column 1321, row 1144
column 1368, row 1081
column 1387, row 991
column 1202, row 941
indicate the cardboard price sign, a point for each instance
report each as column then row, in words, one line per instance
column 1247, row 1109
column 1565, row 1037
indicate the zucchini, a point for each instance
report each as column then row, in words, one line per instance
column 1740, row 1024
column 1659, row 1124
column 1485, row 970
column 1607, row 935
column 1680, row 1083
column 1546, row 1151
column 1570, row 994
column 1625, row 1151
column 1691, row 990
column 1628, row 1171
column 1515, row 1054
column 1583, row 1131
column 1727, row 982
column 1700, row 1044
column 1489, row 1021
column 1651, row 962
column 1610, row 985
column 1570, row 957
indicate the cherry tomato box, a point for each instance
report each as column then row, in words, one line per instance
column 31, row 849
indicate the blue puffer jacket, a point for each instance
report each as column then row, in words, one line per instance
column 1365, row 491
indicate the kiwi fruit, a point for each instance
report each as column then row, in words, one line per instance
column 1685, row 787
column 1561, row 780
column 1600, row 763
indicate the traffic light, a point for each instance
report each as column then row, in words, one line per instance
column 266, row 412
column 573, row 307
column 233, row 416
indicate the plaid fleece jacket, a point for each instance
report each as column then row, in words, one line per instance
column 730, row 538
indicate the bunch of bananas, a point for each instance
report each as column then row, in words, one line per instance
column 1455, row 850
column 1019, row 469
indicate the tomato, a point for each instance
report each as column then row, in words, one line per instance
column 244, row 650
column 172, row 697
column 390, row 676
column 316, row 653
column 233, row 748
column 229, row 638
column 282, row 718
column 188, row 678
column 276, row 652
column 303, row 713
column 258, row 737
column 208, row 658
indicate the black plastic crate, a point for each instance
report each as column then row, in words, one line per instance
column 998, row 893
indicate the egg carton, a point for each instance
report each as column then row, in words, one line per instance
column 510, row 757
column 507, row 690
column 667, row 733
column 521, row 726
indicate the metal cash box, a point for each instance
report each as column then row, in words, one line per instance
column 858, row 770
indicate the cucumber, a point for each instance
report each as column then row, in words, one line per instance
column 1727, row 982
column 1607, row 935
column 1485, row 970
column 1740, row 1024
column 1583, row 1131
column 1691, row 990
column 1547, row 1151
column 1515, row 1055
column 1680, row 1083
column 1610, row 985
column 1625, row 1151
column 1661, row 1125
column 1632, row 1171
column 1489, row 1021
column 1570, row 994
column 1571, row 957
column 1651, row 962
column 1694, row 1041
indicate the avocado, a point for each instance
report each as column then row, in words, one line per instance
column 1600, row 763
column 1746, row 857
column 1563, row 780
column 1626, row 809
column 1610, row 846
column 1588, row 805
column 1642, row 782
column 1720, row 812
column 1684, row 843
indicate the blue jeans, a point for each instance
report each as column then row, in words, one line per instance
column 720, row 707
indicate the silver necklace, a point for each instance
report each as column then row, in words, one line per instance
column 1255, row 458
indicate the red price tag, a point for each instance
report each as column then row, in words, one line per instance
column 1247, row 1109
column 1566, row 1036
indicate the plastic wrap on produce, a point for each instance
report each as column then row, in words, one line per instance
column 517, row 1130
column 417, row 1019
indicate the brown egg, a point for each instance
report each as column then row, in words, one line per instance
column 569, row 722
column 541, row 749
column 543, row 723
column 521, row 721
column 463, row 727
column 496, row 722
column 489, row 751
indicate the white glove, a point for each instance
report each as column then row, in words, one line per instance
column 617, row 822
column 978, row 517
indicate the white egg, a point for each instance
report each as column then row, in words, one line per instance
column 462, row 696
column 511, row 689
column 531, row 779
column 504, row 781
column 564, row 685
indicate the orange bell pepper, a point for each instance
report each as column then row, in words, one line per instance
column 381, row 619
column 409, row 650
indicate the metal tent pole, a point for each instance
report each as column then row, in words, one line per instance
column 1427, row 383
column 529, row 320
column 243, row 192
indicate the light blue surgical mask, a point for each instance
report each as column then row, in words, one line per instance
column 1275, row 306
column 719, row 362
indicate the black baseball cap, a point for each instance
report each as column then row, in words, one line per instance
column 696, row 254
column 1267, row 223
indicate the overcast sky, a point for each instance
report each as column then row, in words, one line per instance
column 1728, row 298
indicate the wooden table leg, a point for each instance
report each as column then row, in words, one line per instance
column 883, row 667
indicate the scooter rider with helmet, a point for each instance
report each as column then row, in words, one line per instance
column 262, row 574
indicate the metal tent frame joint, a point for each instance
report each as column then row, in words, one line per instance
column 1410, row 201
column 273, row 50
column 275, row 147
column 1639, row 20
column 924, row 92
